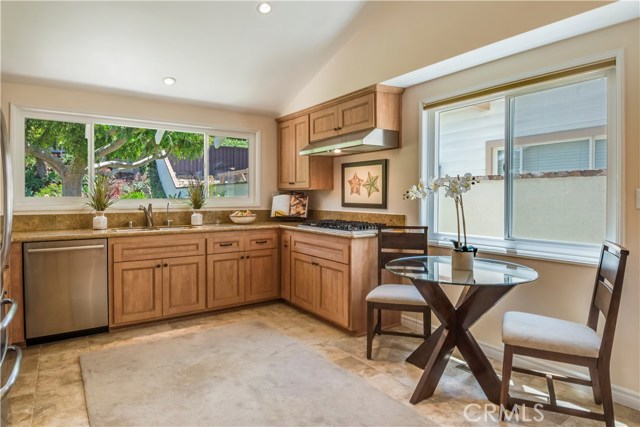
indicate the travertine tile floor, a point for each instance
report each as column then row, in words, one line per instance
column 49, row 391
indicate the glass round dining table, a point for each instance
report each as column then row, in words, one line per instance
column 483, row 287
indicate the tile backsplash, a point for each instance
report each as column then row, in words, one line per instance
column 76, row 221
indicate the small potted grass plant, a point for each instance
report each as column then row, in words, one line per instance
column 197, row 197
column 100, row 197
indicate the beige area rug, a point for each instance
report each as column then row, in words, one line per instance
column 246, row 374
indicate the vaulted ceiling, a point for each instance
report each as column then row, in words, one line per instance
column 222, row 53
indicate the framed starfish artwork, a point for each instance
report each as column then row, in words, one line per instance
column 364, row 184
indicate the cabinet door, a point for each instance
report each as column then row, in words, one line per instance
column 333, row 291
column 323, row 124
column 225, row 279
column 304, row 278
column 261, row 275
column 285, row 266
column 183, row 282
column 293, row 168
column 137, row 291
column 357, row 114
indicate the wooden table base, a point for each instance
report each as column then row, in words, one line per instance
column 433, row 355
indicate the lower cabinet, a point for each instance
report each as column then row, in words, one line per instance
column 331, row 276
column 321, row 286
column 154, row 277
column 150, row 289
column 236, row 276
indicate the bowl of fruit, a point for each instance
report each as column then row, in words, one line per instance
column 243, row 217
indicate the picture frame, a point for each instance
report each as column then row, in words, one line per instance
column 364, row 184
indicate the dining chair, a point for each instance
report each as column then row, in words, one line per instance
column 397, row 242
column 568, row 342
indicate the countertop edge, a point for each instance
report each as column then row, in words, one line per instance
column 43, row 236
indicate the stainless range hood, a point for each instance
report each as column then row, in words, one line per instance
column 357, row 142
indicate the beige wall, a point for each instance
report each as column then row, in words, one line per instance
column 391, row 38
column 104, row 103
column 563, row 290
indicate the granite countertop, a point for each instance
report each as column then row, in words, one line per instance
column 39, row 236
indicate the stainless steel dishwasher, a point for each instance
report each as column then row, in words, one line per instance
column 65, row 289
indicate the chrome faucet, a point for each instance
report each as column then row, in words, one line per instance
column 169, row 221
column 148, row 212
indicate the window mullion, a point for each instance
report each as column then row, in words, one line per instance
column 91, row 155
column 508, row 168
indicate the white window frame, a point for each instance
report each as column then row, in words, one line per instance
column 65, row 204
column 531, row 248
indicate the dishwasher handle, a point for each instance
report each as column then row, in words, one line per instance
column 65, row 249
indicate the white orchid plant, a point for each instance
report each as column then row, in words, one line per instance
column 455, row 188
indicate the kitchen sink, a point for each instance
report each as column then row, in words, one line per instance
column 155, row 228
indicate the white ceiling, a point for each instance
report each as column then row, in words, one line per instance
column 222, row 53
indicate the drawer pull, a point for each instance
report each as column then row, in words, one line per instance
column 225, row 244
column 261, row 242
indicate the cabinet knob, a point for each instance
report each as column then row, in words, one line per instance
column 166, row 265
column 336, row 128
column 158, row 266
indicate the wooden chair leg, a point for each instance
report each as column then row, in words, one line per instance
column 605, row 394
column 595, row 384
column 370, row 327
column 379, row 325
column 426, row 321
column 507, row 363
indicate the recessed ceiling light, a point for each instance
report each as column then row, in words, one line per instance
column 264, row 7
column 169, row 81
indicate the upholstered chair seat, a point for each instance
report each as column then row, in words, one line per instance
column 550, row 334
column 396, row 294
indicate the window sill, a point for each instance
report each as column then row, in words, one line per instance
column 548, row 252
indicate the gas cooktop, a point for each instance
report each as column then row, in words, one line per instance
column 339, row 226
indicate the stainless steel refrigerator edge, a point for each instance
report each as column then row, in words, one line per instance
column 8, row 307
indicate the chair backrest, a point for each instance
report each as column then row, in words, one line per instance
column 400, row 241
column 607, row 293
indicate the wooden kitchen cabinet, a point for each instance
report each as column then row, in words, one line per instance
column 183, row 284
column 156, row 277
column 285, row 266
column 343, row 118
column 331, row 276
column 242, row 267
column 297, row 172
column 321, row 286
column 225, row 279
column 137, row 291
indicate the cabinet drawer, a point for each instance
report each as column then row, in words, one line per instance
column 331, row 248
column 261, row 240
column 219, row 243
column 138, row 249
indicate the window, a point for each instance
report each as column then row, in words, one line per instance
column 543, row 154
column 150, row 161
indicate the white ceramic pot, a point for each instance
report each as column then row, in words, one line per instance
column 462, row 260
column 196, row 218
column 100, row 221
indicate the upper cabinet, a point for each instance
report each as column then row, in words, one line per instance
column 297, row 172
column 346, row 117
column 376, row 106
